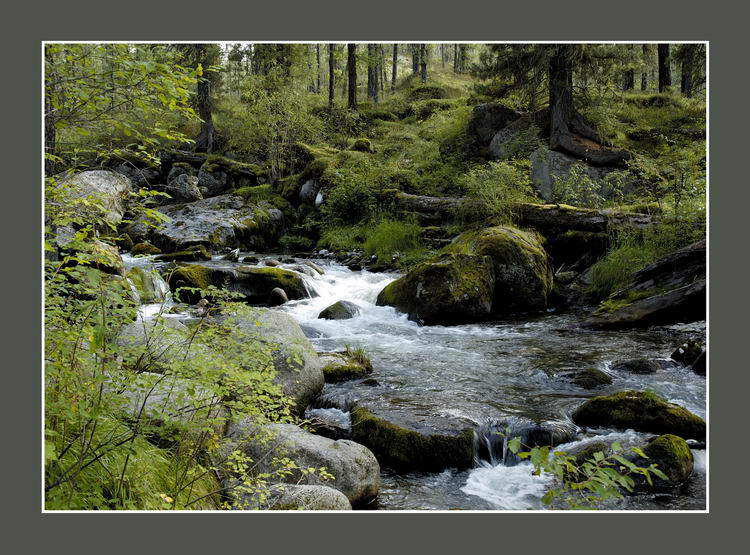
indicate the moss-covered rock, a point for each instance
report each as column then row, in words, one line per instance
column 106, row 258
column 144, row 248
column 673, row 457
column 341, row 310
column 363, row 145
column 641, row 365
column 259, row 282
column 591, row 378
column 687, row 353
column 345, row 366
column 149, row 284
column 407, row 450
column 427, row 92
column 642, row 411
column 193, row 254
column 452, row 289
column 523, row 277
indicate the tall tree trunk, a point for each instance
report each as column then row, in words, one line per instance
column 204, row 142
column 665, row 72
column 423, row 62
column 455, row 58
column 331, row 81
column 394, row 68
column 414, row 59
column 381, row 68
column 569, row 132
column 644, row 73
column 442, row 55
column 317, row 55
column 372, row 72
column 50, row 131
column 629, row 81
column 687, row 80
column 351, row 68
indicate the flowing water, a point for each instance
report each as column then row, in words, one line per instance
column 503, row 371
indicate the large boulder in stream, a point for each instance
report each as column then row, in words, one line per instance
column 498, row 270
column 416, row 445
column 341, row 310
column 669, row 291
column 107, row 190
column 254, row 284
column 642, row 411
column 222, row 221
column 355, row 470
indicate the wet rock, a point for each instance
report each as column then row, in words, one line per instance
column 415, row 446
column 498, row 270
column 196, row 253
column 314, row 266
column 156, row 342
column 107, row 257
column 687, row 353
column 345, row 366
column 150, row 285
column 271, row 262
column 356, row 471
column 641, row 365
column 672, row 455
column 140, row 177
column 305, row 497
column 491, row 438
column 213, row 179
column 232, row 256
column 699, row 366
column 144, row 248
column 566, row 277
column 642, row 411
column 371, row 382
column 669, row 291
column 341, row 310
column 331, row 423
column 254, row 284
column 591, row 378
column 278, row 297
column 250, row 260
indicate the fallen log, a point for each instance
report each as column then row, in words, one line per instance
column 539, row 216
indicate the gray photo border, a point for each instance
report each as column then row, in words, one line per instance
column 638, row 20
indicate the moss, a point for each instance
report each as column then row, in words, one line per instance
column 344, row 371
column 363, row 145
column 267, row 279
column 620, row 300
column 672, row 456
column 144, row 248
column 408, row 450
column 428, row 92
column 190, row 276
column 193, row 254
column 642, row 411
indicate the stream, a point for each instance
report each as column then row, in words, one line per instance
column 498, row 371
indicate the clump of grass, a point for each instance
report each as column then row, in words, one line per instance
column 392, row 236
column 358, row 355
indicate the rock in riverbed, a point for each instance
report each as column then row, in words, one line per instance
column 341, row 310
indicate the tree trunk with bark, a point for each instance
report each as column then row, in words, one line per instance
column 50, row 129
column 394, row 68
column 687, row 80
column 351, row 69
column 204, row 142
column 372, row 72
column 558, row 217
column 317, row 56
column 414, row 59
column 423, row 62
column 569, row 132
column 331, row 80
column 644, row 73
column 665, row 71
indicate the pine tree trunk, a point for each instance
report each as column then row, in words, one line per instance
column 204, row 142
column 394, row 69
column 569, row 132
column 629, row 80
column 331, row 81
column 423, row 62
column 414, row 59
column 351, row 68
column 372, row 72
column 665, row 72
column 442, row 55
column 644, row 73
column 455, row 58
column 687, row 81
column 381, row 70
column 50, row 131
column 317, row 55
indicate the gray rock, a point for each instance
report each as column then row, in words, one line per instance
column 314, row 266
column 341, row 310
column 108, row 189
column 487, row 119
column 159, row 341
column 306, row 497
column 549, row 167
column 183, row 188
column 139, row 177
column 150, row 285
column 213, row 179
column 355, row 470
column 223, row 221
column 309, row 191
column 278, row 297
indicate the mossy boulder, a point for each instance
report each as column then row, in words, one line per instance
column 487, row 119
column 428, row 92
column 144, row 248
column 341, row 367
column 523, row 277
column 254, row 284
column 340, row 310
column 452, row 289
column 591, row 378
column 106, row 258
column 687, row 353
column 410, row 449
column 193, row 254
column 150, row 285
column 673, row 457
column 641, row 411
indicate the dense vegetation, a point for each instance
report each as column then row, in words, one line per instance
column 326, row 134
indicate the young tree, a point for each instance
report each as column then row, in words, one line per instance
column 394, row 69
column 204, row 56
column 331, row 67
column 423, row 62
column 317, row 56
column 665, row 71
column 414, row 58
column 351, row 68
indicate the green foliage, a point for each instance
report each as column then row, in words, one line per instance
column 393, row 237
column 632, row 250
column 499, row 186
column 349, row 199
column 578, row 188
column 589, row 483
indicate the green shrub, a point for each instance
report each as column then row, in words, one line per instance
column 296, row 243
column 389, row 237
column 342, row 238
column 498, row 186
column 348, row 199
